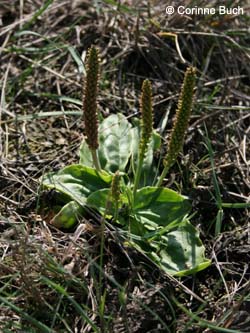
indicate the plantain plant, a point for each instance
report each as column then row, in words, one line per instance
column 115, row 176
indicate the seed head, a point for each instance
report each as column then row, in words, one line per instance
column 182, row 117
column 90, row 98
column 146, row 116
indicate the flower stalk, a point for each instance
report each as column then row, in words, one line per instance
column 90, row 115
column 146, row 128
column 115, row 193
column 183, row 113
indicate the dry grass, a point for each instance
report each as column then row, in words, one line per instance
column 48, row 279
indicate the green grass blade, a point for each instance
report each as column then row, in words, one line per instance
column 42, row 328
column 202, row 322
column 77, row 59
column 218, row 223
column 236, row 205
column 38, row 13
column 215, row 181
column 78, row 308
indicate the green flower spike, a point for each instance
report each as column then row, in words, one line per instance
column 146, row 116
column 181, row 121
column 90, row 103
column 146, row 127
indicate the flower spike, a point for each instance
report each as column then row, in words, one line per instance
column 146, row 116
column 90, row 91
column 146, row 128
column 183, row 113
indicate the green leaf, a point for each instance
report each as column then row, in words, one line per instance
column 180, row 252
column 102, row 201
column 118, row 141
column 68, row 216
column 155, row 143
column 149, row 167
column 156, row 207
column 85, row 154
column 115, row 144
column 77, row 181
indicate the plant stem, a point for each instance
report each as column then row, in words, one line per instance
column 146, row 129
column 95, row 159
column 115, row 193
column 163, row 175
column 116, row 211
column 101, row 251
column 138, row 174
column 101, row 314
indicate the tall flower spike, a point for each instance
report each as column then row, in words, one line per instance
column 146, row 128
column 90, row 104
column 90, row 98
column 183, row 113
column 146, row 116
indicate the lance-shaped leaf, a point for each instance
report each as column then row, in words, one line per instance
column 115, row 144
column 180, row 252
column 149, row 166
column 155, row 207
column 77, row 181
column 68, row 216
